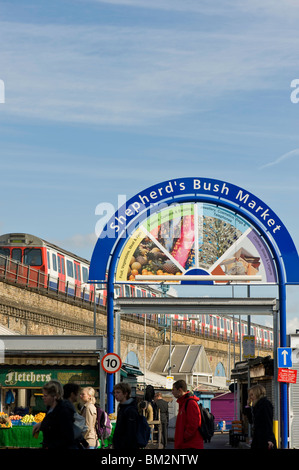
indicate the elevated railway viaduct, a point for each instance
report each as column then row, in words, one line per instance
column 28, row 311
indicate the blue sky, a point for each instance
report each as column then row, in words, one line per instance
column 106, row 98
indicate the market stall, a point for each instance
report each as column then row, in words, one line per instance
column 16, row 431
column 30, row 362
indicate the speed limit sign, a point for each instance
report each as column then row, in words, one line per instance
column 111, row 363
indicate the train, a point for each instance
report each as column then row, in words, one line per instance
column 29, row 260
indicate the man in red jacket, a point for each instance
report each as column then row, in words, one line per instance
column 187, row 435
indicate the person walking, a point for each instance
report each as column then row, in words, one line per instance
column 162, row 406
column 89, row 412
column 260, row 413
column 125, row 433
column 187, row 435
column 71, row 392
column 58, row 424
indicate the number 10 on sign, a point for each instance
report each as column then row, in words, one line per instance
column 111, row 363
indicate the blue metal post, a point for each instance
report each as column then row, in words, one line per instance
column 283, row 386
column 110, row 340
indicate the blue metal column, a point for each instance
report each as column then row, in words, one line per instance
column 283, row 386
column 110, row 339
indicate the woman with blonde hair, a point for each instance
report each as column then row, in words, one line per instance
column 89, row 412
column 261, row 417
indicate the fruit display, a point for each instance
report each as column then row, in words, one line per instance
column 15, row 417
column 17, row 420
column 39, row 417
column 5, row 425
column 28, row 420
column 4, row 421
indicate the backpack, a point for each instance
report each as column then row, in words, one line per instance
column 206, row 426
column 103, row 424
column 143, row 431
column 79, row 427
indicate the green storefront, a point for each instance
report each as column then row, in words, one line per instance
column 28, row 362
column 25, row 384
column 31, row 361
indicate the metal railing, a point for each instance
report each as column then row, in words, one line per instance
column 27, row 276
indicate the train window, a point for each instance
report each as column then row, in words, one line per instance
column 128, row 291
column 85, row 274
column 77, row 272
column 48, row 258
column 16, row 254
column 33, row 256
column 61, row 265
column 69, row 268
column 4, row 251
column 54, row 261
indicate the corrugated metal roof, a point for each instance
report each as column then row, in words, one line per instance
column 185, row 359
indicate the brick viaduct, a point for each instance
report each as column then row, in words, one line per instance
column 28, row 312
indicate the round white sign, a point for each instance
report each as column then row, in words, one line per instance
column 111, row 363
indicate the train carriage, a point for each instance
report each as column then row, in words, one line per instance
column 35, row 262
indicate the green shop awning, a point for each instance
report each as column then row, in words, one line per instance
column 129, row 370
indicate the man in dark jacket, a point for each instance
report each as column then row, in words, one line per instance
column 162, row 406
column 125, row 433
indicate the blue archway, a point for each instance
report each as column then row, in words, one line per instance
column 270, row 227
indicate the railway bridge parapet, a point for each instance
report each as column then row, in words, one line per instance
column 27, row 311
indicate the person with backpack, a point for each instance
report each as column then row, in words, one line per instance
column 211, row 425
column 103, row 426
column 125, row 433
column 132, row 430
column 71, row 392
column 187, row 435
column 89, row 412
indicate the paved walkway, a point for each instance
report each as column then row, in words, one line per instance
column 218, row 441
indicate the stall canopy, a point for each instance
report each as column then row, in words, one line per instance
column 188, row 362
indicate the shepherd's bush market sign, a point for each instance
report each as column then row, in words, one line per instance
column 204, row 186
column 129, row 226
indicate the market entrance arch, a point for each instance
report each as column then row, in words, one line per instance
column 199, row 230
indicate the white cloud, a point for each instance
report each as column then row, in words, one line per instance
column 116, row 75
column 79, row 244
column 285, row 156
